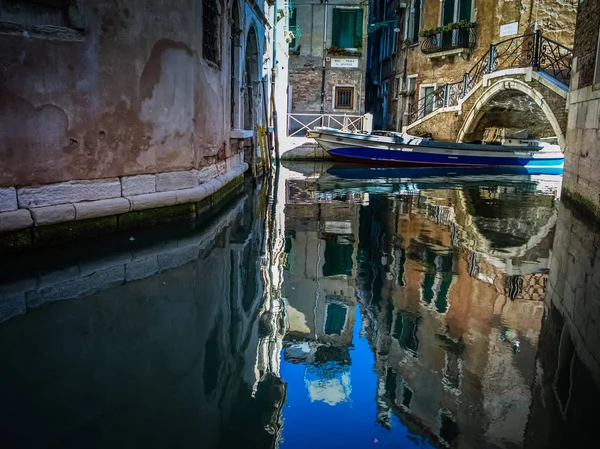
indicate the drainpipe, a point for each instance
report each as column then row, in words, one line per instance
column 273, row 75
column 323, row 64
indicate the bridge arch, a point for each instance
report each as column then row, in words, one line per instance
column 478, row 110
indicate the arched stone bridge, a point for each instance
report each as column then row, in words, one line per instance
column 519, row 83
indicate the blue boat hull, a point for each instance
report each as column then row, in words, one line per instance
column 404, row 158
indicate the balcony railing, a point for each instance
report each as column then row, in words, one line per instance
column 528, row 50
column 462, row 38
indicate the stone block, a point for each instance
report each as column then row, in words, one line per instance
column 22, row 285
column 8, row 199
column 191, row 195
column 103, row 263
column 591, row 119
column 74, row 230
column 205, row 174
column 581, row 115
column 101, row 208
column 68, row 192
column 212, row 186
column 57, row 276
column 100, row 280
column 177, row 257
column 138, row 185
column 12, row 305
column 53, row 214
column 17, row 219
column 151, row 200
column 166, row 182
column 141, row 269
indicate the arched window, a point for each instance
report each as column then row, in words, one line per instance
column 211, row 27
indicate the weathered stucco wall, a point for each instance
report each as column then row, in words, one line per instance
column 131, row 94
column 108, row 91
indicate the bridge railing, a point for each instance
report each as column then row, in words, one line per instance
column 300, row 123
column 528, row 50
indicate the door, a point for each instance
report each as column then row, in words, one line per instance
column 429, row 101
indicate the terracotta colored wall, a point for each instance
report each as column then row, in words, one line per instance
column 132, row 96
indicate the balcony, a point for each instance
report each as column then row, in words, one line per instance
column 441, row 44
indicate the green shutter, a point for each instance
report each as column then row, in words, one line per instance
column 336, row 318
column 292, row 27
column 335, row 28
column 448, row 12
column 417, row 21
column 465, row 10
column 359, row 28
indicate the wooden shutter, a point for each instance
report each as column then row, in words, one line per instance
column 292, row 26
column 335, row 28
column 359, row 28
column 417, row 21
column 448, row 12
column 464, row 12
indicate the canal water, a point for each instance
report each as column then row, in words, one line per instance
column 339, row 308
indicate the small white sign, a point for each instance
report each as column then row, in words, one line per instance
column 509, row 29
column 346, row 63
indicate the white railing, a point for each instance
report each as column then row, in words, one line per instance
column 299, row 124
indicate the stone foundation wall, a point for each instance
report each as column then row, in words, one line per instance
column 85, row 278
column 582, row 156
column 51, row 204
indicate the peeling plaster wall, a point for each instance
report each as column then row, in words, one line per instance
column 132, row 95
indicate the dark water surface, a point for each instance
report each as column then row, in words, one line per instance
column 446, row 309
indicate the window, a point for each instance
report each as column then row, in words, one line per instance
column 414, row 24
column 211, row 25
column 30, row 13
column 597, row 69
column 336, row 319
column 344, row 97
column 406, row 328
column 426, row 92
column 293, row 28
column 347, row 25
column 338, row 259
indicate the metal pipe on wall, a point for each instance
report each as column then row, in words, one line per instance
column 324, row 62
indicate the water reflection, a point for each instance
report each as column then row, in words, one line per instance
column 426, row 293
column 157, row 345
column 372, row 309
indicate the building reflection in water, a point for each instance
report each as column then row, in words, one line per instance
column 159, row 344
column 436, row 312
column 446, row 286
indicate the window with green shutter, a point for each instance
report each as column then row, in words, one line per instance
column 336, row 319
column 416, row 20
column 347, row 28
column 293, row 28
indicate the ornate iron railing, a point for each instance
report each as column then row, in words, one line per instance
column 448, row 40
column 528, row 50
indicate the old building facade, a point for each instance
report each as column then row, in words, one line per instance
column 113, row 107
column 432, row 43
column 327, row 58
column 582, row 156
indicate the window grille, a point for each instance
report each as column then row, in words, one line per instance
column 344, row 97
column 211, row 24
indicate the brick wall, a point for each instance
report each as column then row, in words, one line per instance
column 305, row 64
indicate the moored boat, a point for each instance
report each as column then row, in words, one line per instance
column 399, row 149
